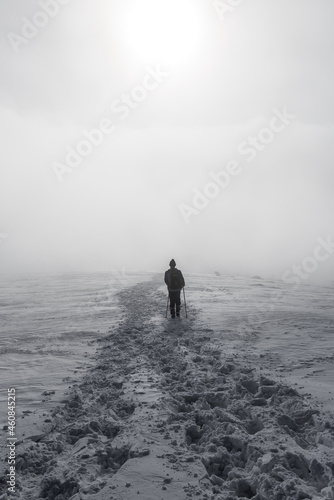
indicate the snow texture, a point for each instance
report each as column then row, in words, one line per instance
column 166, row 412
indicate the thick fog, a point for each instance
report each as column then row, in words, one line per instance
column 136, row 131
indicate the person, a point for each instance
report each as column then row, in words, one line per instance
column 175, row 282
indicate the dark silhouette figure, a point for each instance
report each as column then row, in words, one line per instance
column 175, row 282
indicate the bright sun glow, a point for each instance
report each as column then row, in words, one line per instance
column 165, row 31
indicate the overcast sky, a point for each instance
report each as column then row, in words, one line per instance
column 215, row 141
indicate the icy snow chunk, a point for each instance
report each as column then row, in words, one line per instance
column 285, row 420
column 251, row 385
column 216, row 480
column 326, row 440
column 226, row 369
column 266, row 462
column 258, row 402
column 266, row 391
column 327, row 493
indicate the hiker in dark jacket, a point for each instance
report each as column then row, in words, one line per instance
column 175, row 282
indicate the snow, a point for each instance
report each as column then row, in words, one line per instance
column 234, row 401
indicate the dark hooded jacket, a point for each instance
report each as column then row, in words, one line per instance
column 168, row 279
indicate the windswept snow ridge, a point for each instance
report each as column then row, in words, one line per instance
column 166, row 414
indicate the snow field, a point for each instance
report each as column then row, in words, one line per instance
column 167, row 413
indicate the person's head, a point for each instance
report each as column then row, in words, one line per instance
column 172, row 263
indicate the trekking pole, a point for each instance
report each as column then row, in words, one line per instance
column 185, row 304
column 167, row 305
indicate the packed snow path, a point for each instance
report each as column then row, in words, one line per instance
column 166, row 414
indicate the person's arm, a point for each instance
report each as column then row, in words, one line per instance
column 166, row 278
column 184, row 283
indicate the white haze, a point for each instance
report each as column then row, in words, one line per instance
column 120, row 207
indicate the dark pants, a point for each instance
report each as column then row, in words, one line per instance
column 175, row 302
